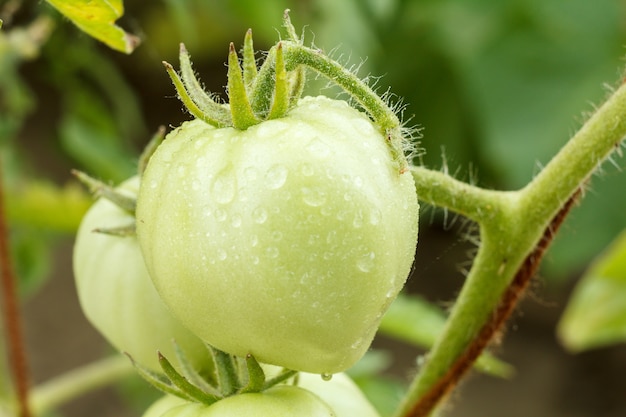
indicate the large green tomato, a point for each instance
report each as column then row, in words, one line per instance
column 117, row 295
column 340, row 394
column 288, row 240
column 279, row 401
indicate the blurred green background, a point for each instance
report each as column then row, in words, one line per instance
column 496, row 87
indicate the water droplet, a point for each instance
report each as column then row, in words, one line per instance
column 221, row 254
column 250, row 173
column 318, row 148
column 375, row 216
column 358, row 181
column 326, row 376
column 313, row 197
column 254, row 240
column 259, row 215
column 366, row 262
column 358, row 219
column 357, row 344
column 276, row 235
column 153, row 184
column 276, row 177
column 255, row 260
column 272, row 252
column 235, row 220
column 221, row 215
column 224, row 186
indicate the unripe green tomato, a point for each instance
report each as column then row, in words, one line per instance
column 278, row 401
column 117, row 295
column 341, row 394
column 288, row 240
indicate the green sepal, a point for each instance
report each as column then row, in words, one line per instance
column 192, row 375
column 148, row 151
column 121, row 231
column 256, row 376
column 284, row 375
column 100, row 189
column 186, row 99
column 226, row 372
column 159, row 381
column 209, row 107
column 241, row 111
column 249, row 62
column 184, row 385
column 280, row 104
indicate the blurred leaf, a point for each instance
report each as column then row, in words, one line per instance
column 31, row 254
column 414, row 320
column 383, row 392
column 97, row 18
column 45, row 206
column 596, row 313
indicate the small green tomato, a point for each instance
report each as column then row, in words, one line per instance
column 117, row 295
column 279, row 401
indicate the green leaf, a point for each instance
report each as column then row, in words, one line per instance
column 412, row 319
column 97, row 18
column 596, row 313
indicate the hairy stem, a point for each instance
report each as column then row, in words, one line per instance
column 11, row 314
column 494, row 325
column 513, row 235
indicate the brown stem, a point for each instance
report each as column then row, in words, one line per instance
column 12, row 319
column 496, row 321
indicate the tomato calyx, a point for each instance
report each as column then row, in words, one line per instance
column 233, row 375
column 255, row 94
column 271, row 91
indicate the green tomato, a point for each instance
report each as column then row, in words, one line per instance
column 341, row 393
column 279, row 401
column 288, row 240
column 117, row 295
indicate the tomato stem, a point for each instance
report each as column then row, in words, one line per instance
column 515, row 230
column 11, row 314
column 382, row 115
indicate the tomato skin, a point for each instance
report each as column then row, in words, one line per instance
column 279, row 401
column 117, row 295
column 341, row 394
column 287, row 240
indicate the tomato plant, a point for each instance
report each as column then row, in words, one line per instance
column 281, row 228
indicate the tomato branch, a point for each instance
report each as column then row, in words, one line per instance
column 11, row 314
column 496, row 323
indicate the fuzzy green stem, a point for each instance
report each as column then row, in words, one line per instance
column 53, row 393
column 382, row 115
column 514, row 236
column 444, row 191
